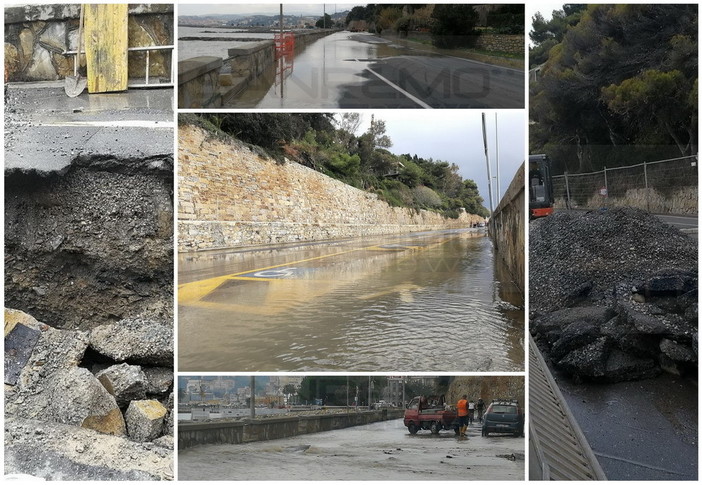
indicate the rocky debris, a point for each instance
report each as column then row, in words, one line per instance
column 614, row 294
column 600, row 249
column 136, row 340
column 145, row 419
column 61, row 452
column 77, row 397
column 159, row 380
column 55, row 386
column 125, row 382
column 168, row 422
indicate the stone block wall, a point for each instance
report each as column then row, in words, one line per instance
column 36, row 36
column 507, row 228
column 230, row 196
column 513, row 44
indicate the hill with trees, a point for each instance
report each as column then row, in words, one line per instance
column 617, row 85
column 330, row 144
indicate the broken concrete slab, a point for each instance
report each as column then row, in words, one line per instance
column 61, row 452
column 76, row 397
column 137, row 340
column 54, row 351
column 159, row 379
column 125, row 382
column 678, row 352
column 145, row 419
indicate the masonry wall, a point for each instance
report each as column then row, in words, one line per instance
column 230, row 196
column 507, row 228
column 513, row 44
column 36, row 37
column 194, row 434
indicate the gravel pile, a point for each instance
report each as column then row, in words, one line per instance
column 573, row 257
column 614, row 295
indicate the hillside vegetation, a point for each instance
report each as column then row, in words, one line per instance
column 616, row 85
column 329, row 144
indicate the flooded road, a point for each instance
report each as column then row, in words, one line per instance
column 378, row 451
column 352, row 71
column 433, row 299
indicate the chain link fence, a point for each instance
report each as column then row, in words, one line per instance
column 661, row 187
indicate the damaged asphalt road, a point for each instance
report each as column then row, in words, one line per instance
column 89, row 270
column 45, row 130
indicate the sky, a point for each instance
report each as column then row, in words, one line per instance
column 456, row 136
column 264, row 8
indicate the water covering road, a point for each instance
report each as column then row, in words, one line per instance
column 352, row 71
column 435, row 301
column 378, row 451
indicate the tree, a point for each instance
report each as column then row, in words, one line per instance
column 454, row 25
column 324, row 22
column 621, row 79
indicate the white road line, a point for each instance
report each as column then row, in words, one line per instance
column 398, row 88
column 124, row 123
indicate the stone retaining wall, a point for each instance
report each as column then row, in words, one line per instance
column 36, row 36
column 194, row 434
column 513, row 44
column 229, row 196
column 680, row 201
column 506, row 228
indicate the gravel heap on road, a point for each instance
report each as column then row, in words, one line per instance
column 614, row 295
column 574, row 256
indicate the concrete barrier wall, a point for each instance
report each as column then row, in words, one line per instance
column 229, row 196
column 195, row 434
column 36, row 36
column 507, row 228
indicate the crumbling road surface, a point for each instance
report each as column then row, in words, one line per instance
column 89, row 282
column 378, row 451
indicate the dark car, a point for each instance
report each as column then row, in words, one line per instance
column 503, row 416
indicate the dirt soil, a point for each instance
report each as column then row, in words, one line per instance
column 92, row 244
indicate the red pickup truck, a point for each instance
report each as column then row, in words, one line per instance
column 430, row 413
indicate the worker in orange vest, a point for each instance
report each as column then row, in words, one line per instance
column 462, row 408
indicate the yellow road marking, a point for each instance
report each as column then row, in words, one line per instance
column 195, row 291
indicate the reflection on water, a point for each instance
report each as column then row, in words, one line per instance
column 429, row 302
column 315, row 74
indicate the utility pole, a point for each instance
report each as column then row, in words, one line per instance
column 487, row 161
column 253, row 397
column 369, row 392
column 497, row 162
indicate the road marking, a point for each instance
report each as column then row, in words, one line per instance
column 193, row 293
column 124, row 123
column 399, row 89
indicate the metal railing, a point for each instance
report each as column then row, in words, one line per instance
column 558, row 448
column 147, row 50
column 662, row 186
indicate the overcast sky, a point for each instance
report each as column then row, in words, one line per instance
column 456, row 136
column 264, row 8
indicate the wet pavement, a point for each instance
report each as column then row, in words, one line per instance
column 356, row 305
column 378, row 451
column 45, row 130
column 352, row 71
column 644, row 430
